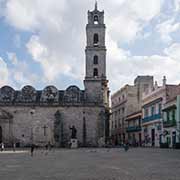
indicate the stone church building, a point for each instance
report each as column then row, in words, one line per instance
column 40, row 116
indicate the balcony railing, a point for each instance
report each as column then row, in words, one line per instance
column 169, row 123
column 133, row 128
column 151, row 118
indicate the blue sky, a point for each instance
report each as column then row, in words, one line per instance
column 42, row 42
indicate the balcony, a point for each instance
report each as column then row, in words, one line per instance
column 133, row 129
column 151, row 118
column 167, row 124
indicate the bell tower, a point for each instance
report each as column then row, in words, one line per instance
column 96, row 84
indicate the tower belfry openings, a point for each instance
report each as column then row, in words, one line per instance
column 95, row 79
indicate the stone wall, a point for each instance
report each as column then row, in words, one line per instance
column 36, row 124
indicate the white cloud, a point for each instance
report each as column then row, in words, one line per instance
column 128, row 18
column 145, row 10
column 3, row 72
column 19, row 73
column 177, row 5
column 34, row 14
column 173, row 51
column 166, row 28
column 128, row 67
column 13, row 58
column 53, row 64
column 59, row 37
column 124, row 29
column 36, row 49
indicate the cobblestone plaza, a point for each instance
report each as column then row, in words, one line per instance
column 91, row 164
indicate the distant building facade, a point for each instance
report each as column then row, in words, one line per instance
column 126, row 102
column 133, row 129
column 171, row 122
column 39, row 116
column 152, row 117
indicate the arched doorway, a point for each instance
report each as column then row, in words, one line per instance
column 0, row 134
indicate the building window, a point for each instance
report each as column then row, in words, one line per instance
column 119, row 123
column 152, row 111
column 123, row 96
column 146, row 87
column 168, row 116
column 173, row 116
column 115, row 114
column 146, row 114
column 95, row 73
column 119, row 99
column 160, row 108
column 123, row 111
column 96, row 40
column 115, row 124
column 96, row 19
column 95, row 59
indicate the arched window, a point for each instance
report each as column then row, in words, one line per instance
column 96, row 39
column 96, row 19
column 95, row 59
column 95, row 73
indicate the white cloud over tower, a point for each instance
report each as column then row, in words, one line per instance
column 58, row 37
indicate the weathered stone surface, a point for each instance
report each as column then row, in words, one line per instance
column 7, row 94
column 50, row 95
column 28, row 124
column 28, row 94
column 72, row 94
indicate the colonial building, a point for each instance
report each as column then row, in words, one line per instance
column 39, row 116
column 134, row 128
column 126, row 102
column 152, row 119
column 171, row 122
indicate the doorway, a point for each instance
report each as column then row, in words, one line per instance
column 0, row 134
column 173, row 138
column 153, row 137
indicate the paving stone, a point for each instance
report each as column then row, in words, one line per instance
column 91, row 164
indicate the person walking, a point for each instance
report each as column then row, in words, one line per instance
column 126, row 146
column 2, row 146
column 14, row 147
column 32, row 149
column 49, row 146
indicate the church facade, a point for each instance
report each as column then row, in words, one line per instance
column 40, row 116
